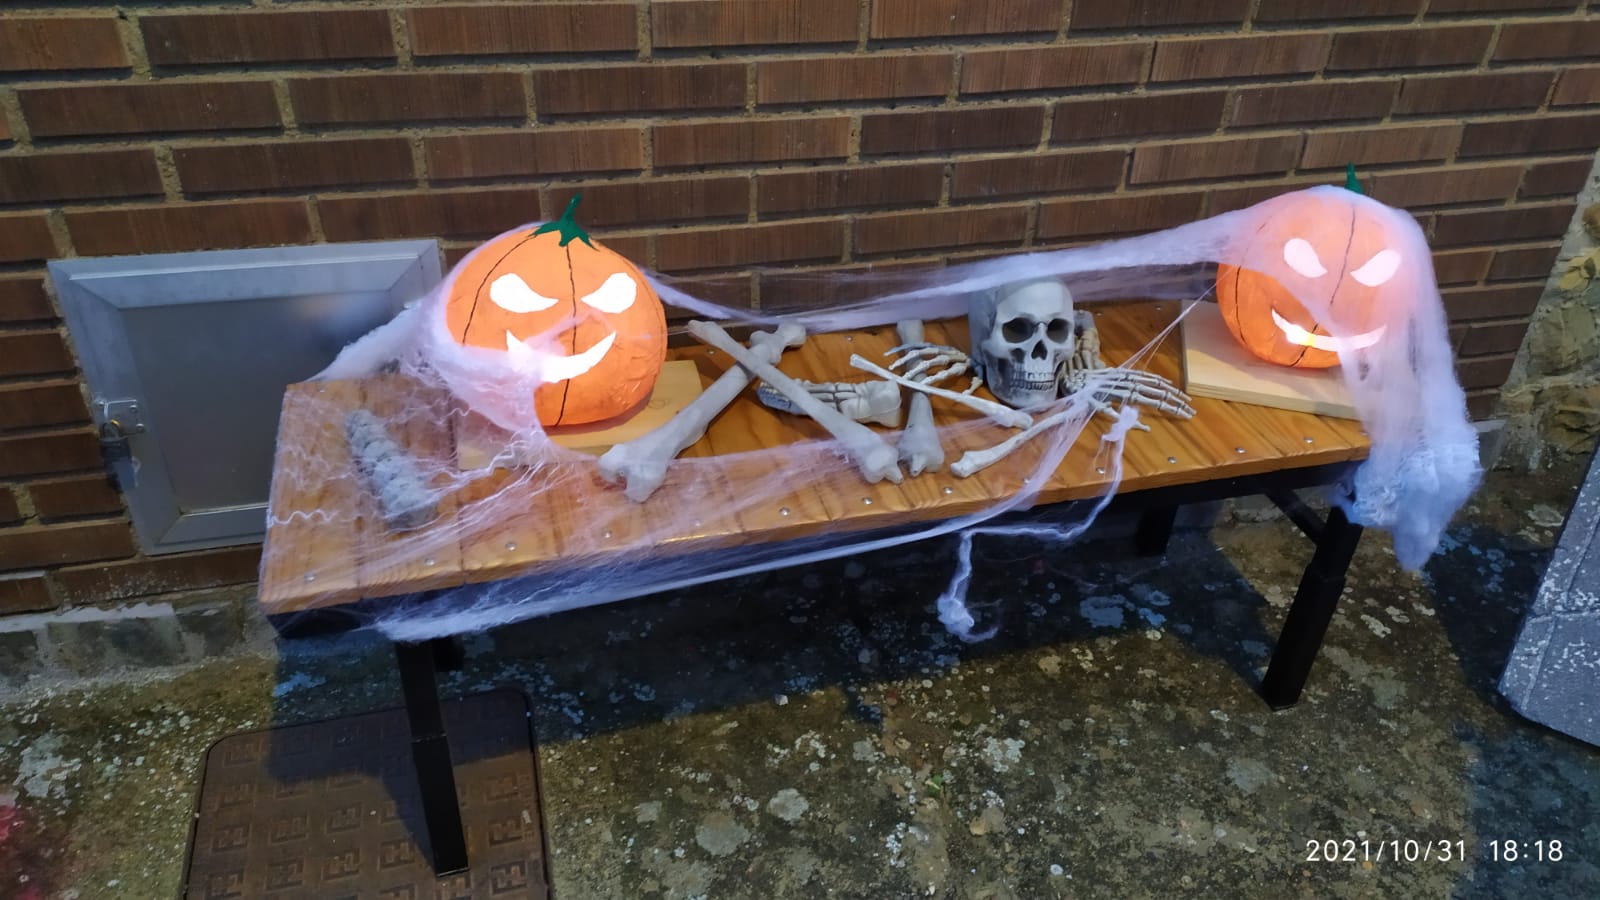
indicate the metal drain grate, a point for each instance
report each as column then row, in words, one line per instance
column 331, row 810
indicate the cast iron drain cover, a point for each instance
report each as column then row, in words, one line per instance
column 331, row 810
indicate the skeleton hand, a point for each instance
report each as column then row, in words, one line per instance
column 933, row 363
column 1129, row 386
column 1086, row 354
column 868, row 401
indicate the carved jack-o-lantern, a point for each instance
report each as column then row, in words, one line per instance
column 1337, row 256
column 527, row 283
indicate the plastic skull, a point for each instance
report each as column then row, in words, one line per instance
column 1022, row 336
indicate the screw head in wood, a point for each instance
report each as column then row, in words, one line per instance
column 1172, row 459
column 511, row 545
column 948, row 490
column 783, row 510
column 1239, row 450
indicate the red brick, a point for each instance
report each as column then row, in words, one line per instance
column 163, row 575
column 148, row 108
column 1500, row 226
column 1530, row 136
column 899, row 232
column 242, row 37
column 1494, row 302
column 1483, row 405
column 1317, row 102
column 1500, row 337
column 1468, row 7
column 476, row 214
column 407, row 97
column 873, row 77
column 5, row 129
column 36, row 546
column 1484, row 371
column 1253, row 56
column 1515, row 263
column 873, row 186
column 33, row 353
column 1410, row 48
column 78, row 42
column 1152, row 115
column 1328, row 10
column 640, row 88
column 830, row 286
column 1215, row 158
column 537, row 152
column 191, row 226
column 1472, row 94
column 24, row 237
column 1377, row 146
column 1558, row 178
column 658, row 200
column 736, row 291
column 930, row 18
column 1038, row 68
column 745, row 245
column 1101, row 14
column 522, row 28
column 95, row 175
column 1037, row 174
column 721, row 23
column 1446, row 187
column 751, row 140
column 9, row 510
column 1228, row 199
column 65, row 498
column 39, row 454
column 23, row 299
column 214, row 169
column 1577, row 87
column 984, row 128
column 1124, row 214
column 1565, row 39
column 1461, row 266
column 41, row 404
column 24, row 592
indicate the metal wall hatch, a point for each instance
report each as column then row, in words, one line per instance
column 187, row 355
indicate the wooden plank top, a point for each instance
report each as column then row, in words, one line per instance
column 564, row 516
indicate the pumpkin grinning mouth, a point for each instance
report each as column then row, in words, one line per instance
column 1295, row 334
column 555, row 367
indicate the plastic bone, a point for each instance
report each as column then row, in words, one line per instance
column 392, row 476
column 871, row 454
column 877, row 402
column 1004, row 415
column 642, row 462
column 919, row 446
column 977, row 460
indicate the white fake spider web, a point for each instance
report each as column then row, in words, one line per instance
column 1422, row 466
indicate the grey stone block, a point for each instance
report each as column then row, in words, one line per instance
column 88, row 646
column 1553, row 675
column 20, row 656
column 212, row 628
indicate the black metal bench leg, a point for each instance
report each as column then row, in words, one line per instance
column 449, row 655
column 1312, row 610
column 1155, row 530
column 430, row 753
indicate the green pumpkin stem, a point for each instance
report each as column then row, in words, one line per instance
column 566, row 226
column 1351, row 182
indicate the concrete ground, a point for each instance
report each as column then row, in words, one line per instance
column 817, row 733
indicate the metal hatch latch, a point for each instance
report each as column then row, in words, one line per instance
column 119, row 420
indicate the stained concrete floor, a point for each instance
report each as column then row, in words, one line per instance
column 817, row 733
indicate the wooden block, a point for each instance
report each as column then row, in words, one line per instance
column 478, row 440
column 1216, row 366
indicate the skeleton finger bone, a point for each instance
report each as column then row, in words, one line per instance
column 919, row 446
column 877, row 402
column 871, row 454
column 642, row 462
column 1005, row 415
column 974, row 461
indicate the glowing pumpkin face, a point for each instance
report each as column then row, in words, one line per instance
column 1336, row 255
column 527, row 284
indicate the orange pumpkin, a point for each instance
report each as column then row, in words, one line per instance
column 1335, row 255
column 527, row 283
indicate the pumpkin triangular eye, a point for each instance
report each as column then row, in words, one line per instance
column 512, row 294
column 616, row 295
column 1379, row 269
column 1302, row 257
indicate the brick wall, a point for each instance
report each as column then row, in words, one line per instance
column 716, row 136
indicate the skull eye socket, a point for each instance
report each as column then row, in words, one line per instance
column 1018, row 329
column 1059, row 330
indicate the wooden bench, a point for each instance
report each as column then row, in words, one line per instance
column 1226, row 450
